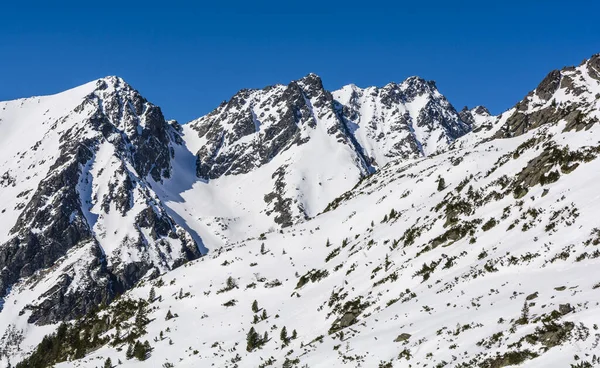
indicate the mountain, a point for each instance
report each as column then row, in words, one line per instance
column 80, row 222
column 359, row 227
column 407, row 120
column 570, row 94
column 277, row 156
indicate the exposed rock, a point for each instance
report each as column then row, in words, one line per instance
column 565, row 308
column 402, row 337
column 532, row 296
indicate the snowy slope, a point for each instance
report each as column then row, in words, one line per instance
column 440, row 281
column 29, row 142
column 277, row 156
column 474, row 250
column 80, row 223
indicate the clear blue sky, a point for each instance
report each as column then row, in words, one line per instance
column 188, row 58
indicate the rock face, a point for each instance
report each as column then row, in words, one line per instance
column 93, row 217
column 569, row 95
column 254, row 126
column 407, row 120
column 306, row 145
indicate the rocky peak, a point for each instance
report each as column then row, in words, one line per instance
column 475, row 116
column 257, row 125
column 311, row 84
column 568, row 95
column 481, row 110
column 405, row 120
column 94, row 207
column 144, row 133
column 416, row 86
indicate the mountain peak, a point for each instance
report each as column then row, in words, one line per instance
column 311, row 83
column 479, row 110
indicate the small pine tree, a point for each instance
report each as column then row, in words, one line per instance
column 252, row 340
column 283, row 335
column 255, row 308
column 441, row 184
column 256, row 319
column 264, row 314
column 524, row 314
column 152, row 295
column 138, row 351
column 231, row 283
column 262, row 249
column 129, row 352
column 265, row 338
column 140, row 318
column 107, row 363
column 328, row 244
column 169, row 315
column 294, row 335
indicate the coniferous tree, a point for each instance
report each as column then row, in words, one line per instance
column 294, row 335
column 441, row 184
column 231, row 283
column 264, row 314
column 255, row 308
column 140, row 351
column 129, row 352
column 169, row 315
column 283, row 335
column 252, row 340
column 152, row 295
column 107, row 363
column 140, row 318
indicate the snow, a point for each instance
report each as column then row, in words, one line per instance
column 451, row 297
column 30, row 130
column 478, row 285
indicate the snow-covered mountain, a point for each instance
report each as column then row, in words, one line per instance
column 373, row 227
column 274, row 157
column 79, row 223
column 406, row 120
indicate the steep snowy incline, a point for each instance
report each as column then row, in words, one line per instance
column 277, row 156
column 266, row 159
column 29, row 143
column 408, row 120
column 87, row 225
